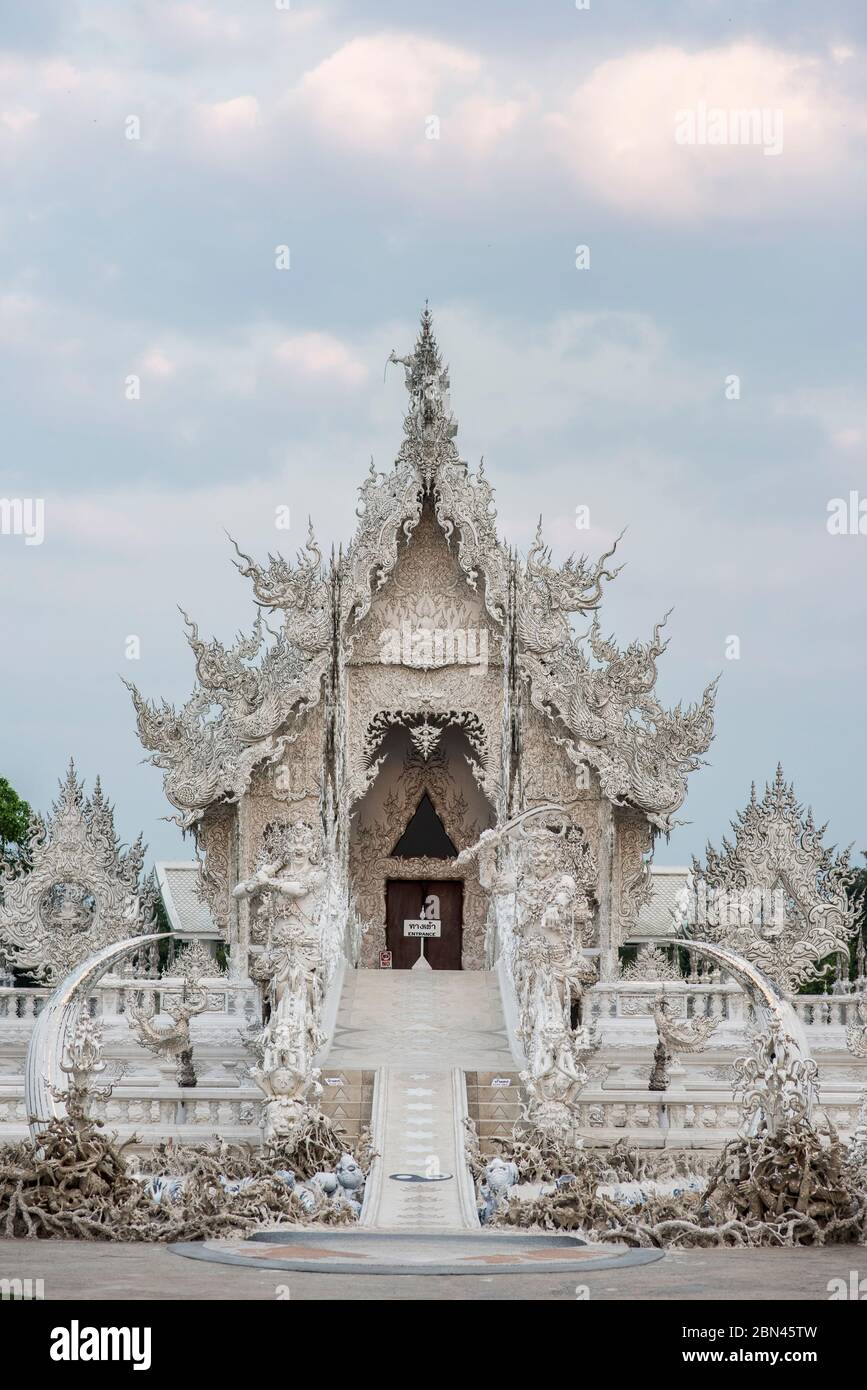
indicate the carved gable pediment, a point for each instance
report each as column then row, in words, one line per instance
column 777, row 894
column 80, row 890
column 426, row 616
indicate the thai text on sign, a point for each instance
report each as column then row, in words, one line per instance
column 421, row 926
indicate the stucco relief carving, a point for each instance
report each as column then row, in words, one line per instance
column 383, row 696
column 296, row 780
column 634, row 842
column 777, row 895
column 426, row 595
column 249, row 698
column 676, row 1035
column 215, row 837
column 549, row 774
column 543, row 874
column 377, row 828
column 651, row 963
column 463, row 502
column 82, row 891
column 289, row 893
column 389, row 508
column 288, row 791
column 287, row 859
column 425, row 728
column 556, row 876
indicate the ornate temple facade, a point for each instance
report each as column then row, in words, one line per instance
column 414, row 761
column 424, row 678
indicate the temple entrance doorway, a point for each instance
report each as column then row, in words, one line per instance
column 409, row 900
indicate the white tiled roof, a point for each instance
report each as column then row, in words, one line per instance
column 179, row 891
column 655, row 919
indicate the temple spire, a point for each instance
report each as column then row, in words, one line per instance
column 429, row 418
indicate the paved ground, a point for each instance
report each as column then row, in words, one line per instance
column 365, row 1251
column 85, row 1270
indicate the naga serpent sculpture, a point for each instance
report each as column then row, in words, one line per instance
column 750, row 977
column 44, row 1077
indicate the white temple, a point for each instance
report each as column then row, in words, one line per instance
column 425, row 811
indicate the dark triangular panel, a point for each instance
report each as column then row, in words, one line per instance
column 425, row 836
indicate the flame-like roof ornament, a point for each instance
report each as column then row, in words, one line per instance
column 429, row 419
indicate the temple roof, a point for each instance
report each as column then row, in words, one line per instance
column 179, row 890
column 600, row 698
column 656, row 917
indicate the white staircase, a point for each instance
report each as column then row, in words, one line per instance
column 420, row 1030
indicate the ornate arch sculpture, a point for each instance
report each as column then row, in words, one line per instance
column 44, row 1077
column 777, row 895
column 82, row 890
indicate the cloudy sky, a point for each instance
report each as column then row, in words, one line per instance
column 461, row 154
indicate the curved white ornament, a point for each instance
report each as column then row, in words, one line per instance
column 43, row 1073
column 771, row 995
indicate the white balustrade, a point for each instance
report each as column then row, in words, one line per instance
column 224, row 996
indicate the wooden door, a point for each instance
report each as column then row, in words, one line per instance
column 444, row 951
column 406, row 898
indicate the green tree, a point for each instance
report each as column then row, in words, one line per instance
column 14, row 820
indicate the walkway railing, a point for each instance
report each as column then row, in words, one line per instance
column 616, row 999
column 224, row 997
column 634, row 999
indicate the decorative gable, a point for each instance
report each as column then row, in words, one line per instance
column 77, row 891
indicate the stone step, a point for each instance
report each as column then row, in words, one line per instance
column 349, row 1103
column 420, row 1031
column 420, row 1181
column 445, row 1018
column 494, row 1109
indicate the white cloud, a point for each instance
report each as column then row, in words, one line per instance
column 89, row 354
column 839, row 412
column 18, row 120
column 852, row 437
column 321, row 355
column 482, row 124
column 609, row 135
column 377, row 92
column 156, row 363
column 616, row 131
column 239, row 116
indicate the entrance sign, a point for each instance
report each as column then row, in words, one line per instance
column 425, row 928
column 421, row 926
